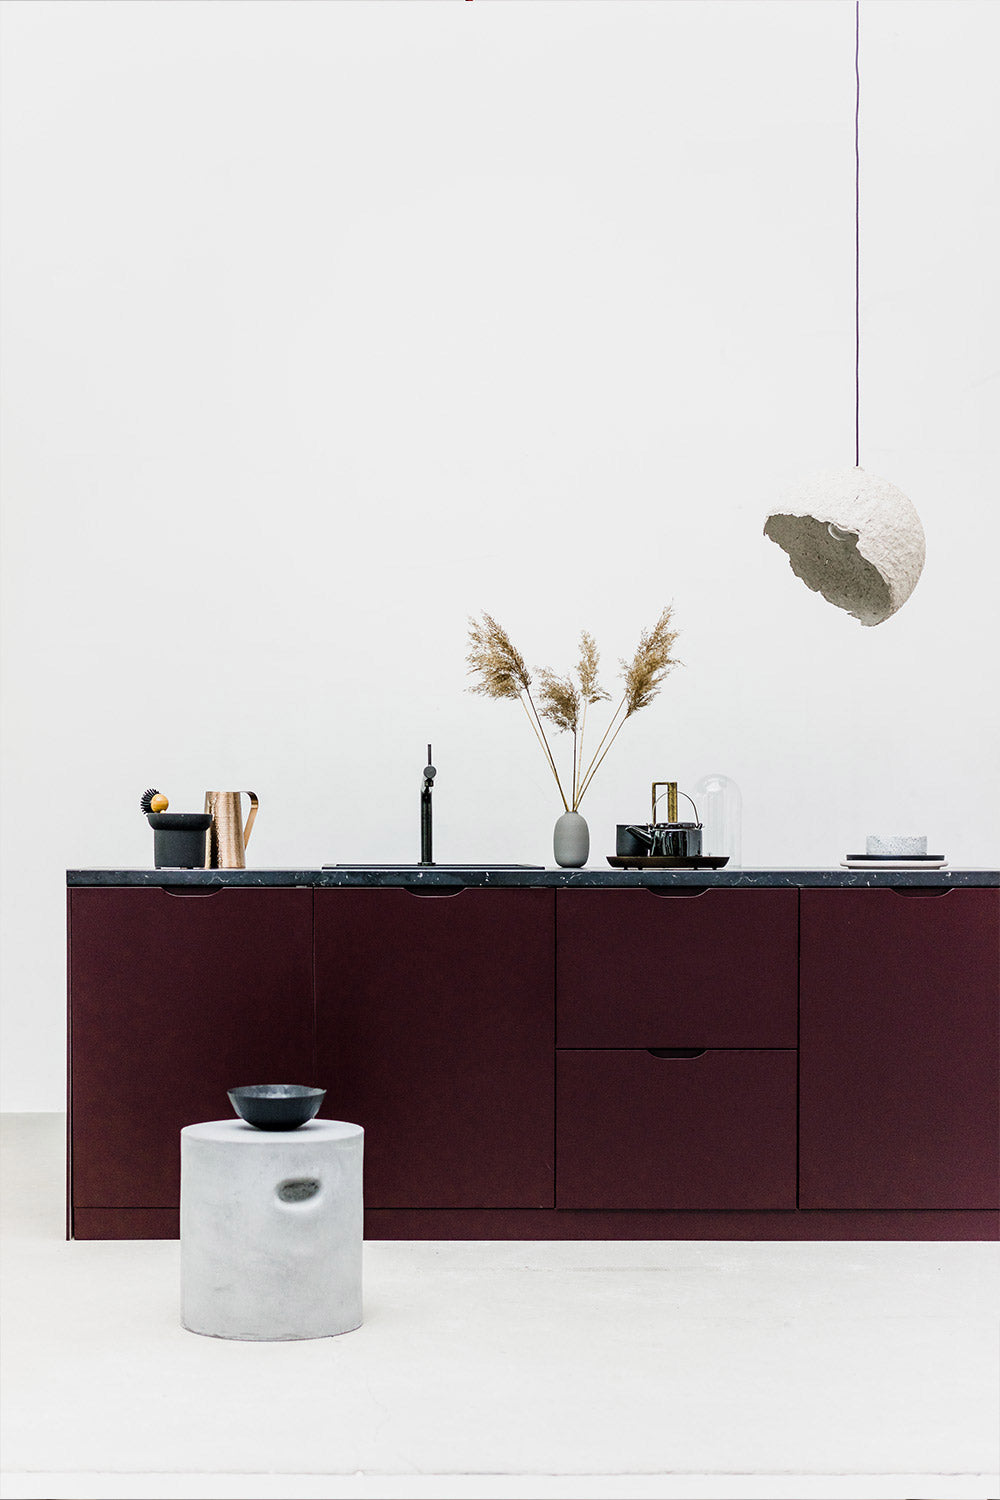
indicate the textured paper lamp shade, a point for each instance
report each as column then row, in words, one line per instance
column 855, row 539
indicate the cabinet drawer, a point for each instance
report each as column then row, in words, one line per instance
column 637, row 968
column 716, row 1131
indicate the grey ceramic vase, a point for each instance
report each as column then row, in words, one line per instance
column 571, row 841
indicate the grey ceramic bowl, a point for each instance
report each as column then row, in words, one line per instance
column 276, row 1106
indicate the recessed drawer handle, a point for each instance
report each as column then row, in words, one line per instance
column 922, row 890
column 677, row 892
column 677, row 1051
column 434, row 890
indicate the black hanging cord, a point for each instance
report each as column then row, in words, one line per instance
column 857, row 236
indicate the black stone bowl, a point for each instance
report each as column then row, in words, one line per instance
column 276, row 1106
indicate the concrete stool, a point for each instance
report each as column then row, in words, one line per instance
column 271, row 1230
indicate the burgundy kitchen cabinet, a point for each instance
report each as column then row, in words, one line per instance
column 899, row 1049
column 175, row 997
column 434, row 1029
column 555, row 1059
column 677, row 967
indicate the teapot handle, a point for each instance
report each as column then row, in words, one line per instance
column 250, row 817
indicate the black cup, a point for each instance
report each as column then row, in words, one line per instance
column 626, row 841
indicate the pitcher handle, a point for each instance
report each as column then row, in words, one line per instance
column 250, row 817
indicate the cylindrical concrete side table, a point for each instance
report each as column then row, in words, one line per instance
column 271, row 1230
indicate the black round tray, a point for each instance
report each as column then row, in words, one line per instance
column 668, row 861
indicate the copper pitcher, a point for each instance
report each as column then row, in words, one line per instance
column 228, row 836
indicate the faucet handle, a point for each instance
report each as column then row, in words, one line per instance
column 430, row 771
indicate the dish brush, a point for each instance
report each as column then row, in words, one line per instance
column 153, row 801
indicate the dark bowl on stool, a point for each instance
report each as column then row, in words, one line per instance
column 276, row 1106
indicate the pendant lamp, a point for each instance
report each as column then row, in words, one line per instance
column 855, row 539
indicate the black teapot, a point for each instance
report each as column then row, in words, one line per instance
column 678, row 840
column 670, row 839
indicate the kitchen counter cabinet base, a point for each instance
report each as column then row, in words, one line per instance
column 435, row 1013
column 569, row 1224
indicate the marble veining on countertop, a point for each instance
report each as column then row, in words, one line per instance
column 594, row 878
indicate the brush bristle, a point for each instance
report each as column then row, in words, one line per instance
column 146, row 799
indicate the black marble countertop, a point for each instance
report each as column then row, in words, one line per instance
column 484, row 875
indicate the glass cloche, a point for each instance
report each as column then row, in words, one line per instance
column 720, row 807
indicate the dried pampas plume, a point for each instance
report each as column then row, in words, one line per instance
column 586, row 669
column 652, row 661
column 563, row 702
column 497, row 660
column 559, row 700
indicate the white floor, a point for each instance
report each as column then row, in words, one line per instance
column 716, row 1370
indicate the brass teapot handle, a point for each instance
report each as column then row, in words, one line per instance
column 672, row 795
column 250, row 816
column 671, row 787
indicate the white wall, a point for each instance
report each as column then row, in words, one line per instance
column 329, row 324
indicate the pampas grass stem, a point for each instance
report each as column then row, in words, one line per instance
column 536, row 725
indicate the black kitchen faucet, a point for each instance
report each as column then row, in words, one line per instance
column 426, row 813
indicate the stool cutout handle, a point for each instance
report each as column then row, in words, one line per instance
column 298, row 1189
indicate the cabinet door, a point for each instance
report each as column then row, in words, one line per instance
column 434, row 1023
column 651, row 968
column 175, row 998
column 898, row 1051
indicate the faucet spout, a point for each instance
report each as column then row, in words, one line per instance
column 426, row 813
